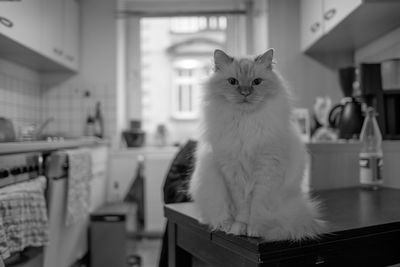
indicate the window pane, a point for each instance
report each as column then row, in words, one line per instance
column 213, row 23
column 222, row 23
column 190, row 98
column 180, row 98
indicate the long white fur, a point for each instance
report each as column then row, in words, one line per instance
column 250, row 159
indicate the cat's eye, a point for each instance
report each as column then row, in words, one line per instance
column 256, row 81
column 233, row 81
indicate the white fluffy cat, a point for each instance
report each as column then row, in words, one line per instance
column 250, row 160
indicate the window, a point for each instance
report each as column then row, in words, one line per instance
column 186, row 89
column 186, row 25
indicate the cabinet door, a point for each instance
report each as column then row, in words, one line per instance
column 51, row 38
column 19, row 20
column 336, row 10
column 71, row 33
column 312, row 27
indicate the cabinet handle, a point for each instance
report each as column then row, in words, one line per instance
column 329, row 14
column 58, row 51
column 6, row 22
column 314, row 27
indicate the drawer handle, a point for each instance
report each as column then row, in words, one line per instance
column 330, row 13
column 6, row 22
column 314, row 27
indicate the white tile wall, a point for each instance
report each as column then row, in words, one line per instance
column 26, row 99
column 68, row 105
column 20, row 94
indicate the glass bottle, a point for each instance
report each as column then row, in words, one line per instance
column 371, row 156
column 89, row 122
column 98, row 122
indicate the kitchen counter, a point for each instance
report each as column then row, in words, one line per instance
column 336, row 164
column 35, row 146
column 349, row 146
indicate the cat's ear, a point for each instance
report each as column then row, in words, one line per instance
column 266, row 58
column 221, row 58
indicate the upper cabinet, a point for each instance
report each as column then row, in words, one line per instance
column 71, row 33
column 312, row 26
column 52, row 29
column 334, row 11
column 332, row 30
column 320, row 17
column 19, row 22
column 44, row 34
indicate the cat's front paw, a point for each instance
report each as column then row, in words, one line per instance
column 226, row 225
column 221, row 224
column 238, row 228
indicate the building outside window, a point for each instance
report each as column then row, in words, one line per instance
column 176, row 57
column 186, row 88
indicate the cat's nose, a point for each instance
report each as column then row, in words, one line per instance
column 245, row 90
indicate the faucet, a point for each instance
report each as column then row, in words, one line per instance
column 39, row 130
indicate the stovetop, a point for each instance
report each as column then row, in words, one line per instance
column 20, row 167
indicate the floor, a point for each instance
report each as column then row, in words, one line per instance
column 148, row 249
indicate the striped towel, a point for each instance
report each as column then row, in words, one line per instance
column 79, row 176
column 23, row 216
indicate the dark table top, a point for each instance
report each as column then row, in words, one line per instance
column 350, row 212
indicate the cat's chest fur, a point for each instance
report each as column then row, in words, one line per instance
column 246, row 146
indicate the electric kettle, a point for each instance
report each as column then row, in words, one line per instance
column 347, row 118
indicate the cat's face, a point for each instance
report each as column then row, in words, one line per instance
column 245, row 83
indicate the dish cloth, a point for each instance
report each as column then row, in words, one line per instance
column 79, row 176
column 99, row 160
column 23, row 216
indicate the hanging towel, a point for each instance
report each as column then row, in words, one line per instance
column 99, row 160
column 79, row 176
column 23, row 214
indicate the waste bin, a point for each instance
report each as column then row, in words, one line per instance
column 108, row 235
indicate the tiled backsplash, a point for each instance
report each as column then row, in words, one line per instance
column 26, row 99
column 68, row 105
column 20, row 94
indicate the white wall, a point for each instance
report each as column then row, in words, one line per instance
column 307, row 77
column 259, row 22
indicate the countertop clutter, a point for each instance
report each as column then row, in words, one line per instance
column 31, row 146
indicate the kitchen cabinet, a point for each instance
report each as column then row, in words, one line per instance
column 332, row 30
column 71, row 33
column 334, row 11
column 60, row 31
column 51, row 29
column 19, row 21
column 41, row 34
column 319, row 17
column 311, row 22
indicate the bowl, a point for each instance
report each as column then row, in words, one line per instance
column 134, row 138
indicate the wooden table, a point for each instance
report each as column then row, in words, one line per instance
column 364, row 231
